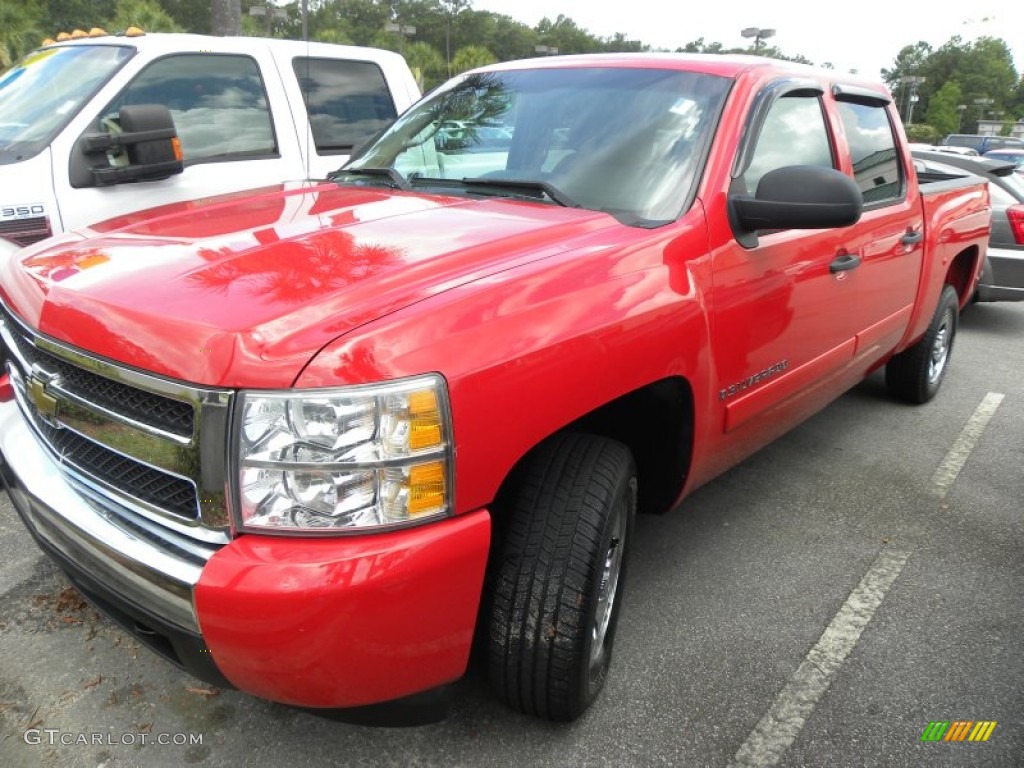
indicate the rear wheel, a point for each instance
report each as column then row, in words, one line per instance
column 916, row 373
column 559, row 579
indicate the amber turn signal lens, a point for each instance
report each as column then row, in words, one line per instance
column 426, row 488
column 424, row 420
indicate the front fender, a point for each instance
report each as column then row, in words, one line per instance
column 536, row 347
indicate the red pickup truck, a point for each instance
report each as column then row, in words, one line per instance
column 311, row 441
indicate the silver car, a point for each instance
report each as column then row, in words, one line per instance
column 1003, row 276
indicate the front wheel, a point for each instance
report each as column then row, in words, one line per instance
column 916, row 373
column 559, row 579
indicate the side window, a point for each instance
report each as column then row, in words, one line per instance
column 348, row 102
column 217, row 101
column 794, row 133
column 876, row 165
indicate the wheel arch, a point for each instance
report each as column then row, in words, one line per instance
column 963, row 272
column 656, row 422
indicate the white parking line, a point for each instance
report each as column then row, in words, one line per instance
column 950, row 467
column 785, row 718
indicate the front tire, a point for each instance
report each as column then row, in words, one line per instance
column 916, row 373
column 560, row 575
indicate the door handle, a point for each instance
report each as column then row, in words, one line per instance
column 912, row 237
column 844, row 262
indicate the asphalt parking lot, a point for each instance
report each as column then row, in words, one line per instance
column 820, row 604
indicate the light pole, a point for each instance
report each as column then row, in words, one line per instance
column 270, row 12
column 960, row 115
column 913, row 81
column 759, row 35
column 910, row 113
column 403, row 32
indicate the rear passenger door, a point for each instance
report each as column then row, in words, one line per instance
column 889, row 237
column 230, row 136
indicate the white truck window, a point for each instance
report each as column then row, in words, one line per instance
column 348, row 102
column 218, row 103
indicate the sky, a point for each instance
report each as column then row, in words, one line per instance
column 865, row 35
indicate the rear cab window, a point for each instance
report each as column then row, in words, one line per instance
column 877, row 166
column 348, row 102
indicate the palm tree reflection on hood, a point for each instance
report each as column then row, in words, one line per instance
column 295, row 271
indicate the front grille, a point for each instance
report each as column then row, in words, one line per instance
column 140, row 438
column 172, row 416
column 144, row 483
column 26, row 231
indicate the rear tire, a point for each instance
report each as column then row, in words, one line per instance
column 916, row 373
column 559, row 578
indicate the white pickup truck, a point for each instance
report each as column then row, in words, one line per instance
column 247, row 112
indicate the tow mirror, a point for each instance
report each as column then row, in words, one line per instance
column 141, row 145
column 796, row 197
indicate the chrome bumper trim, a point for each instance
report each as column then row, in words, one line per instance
column 137, row 561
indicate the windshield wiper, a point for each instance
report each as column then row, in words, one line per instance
column 397, row 180
column 525, row 185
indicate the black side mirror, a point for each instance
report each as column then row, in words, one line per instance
column 145, row 148
column 796, row 197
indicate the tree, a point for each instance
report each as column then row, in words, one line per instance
column 564, row 34
column 942, row 114
column 360, row 20
column 509, row 39
column 699, row 46
column 909, row 61
column 145, row 14
column 1017, row 100
column 618, row 43
column 68, row 15
column 426, row 64
column 983, row 70
column 471, row 57
column 193, row 15
column 922, row 133
column 19, row 31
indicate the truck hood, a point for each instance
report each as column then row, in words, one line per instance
column 242, row 290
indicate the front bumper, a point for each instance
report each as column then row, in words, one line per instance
column 328, row 623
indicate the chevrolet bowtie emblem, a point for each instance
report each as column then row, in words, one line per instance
column 45, row 403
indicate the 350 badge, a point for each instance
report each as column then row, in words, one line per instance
column 22, row 211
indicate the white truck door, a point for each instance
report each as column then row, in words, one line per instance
column 232, row 118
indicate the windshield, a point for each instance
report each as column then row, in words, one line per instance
column 630, row 142
column 46, row 89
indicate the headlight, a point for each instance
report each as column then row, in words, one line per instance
column 337, row 460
